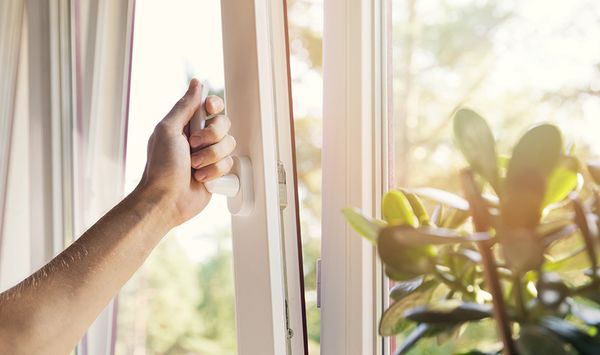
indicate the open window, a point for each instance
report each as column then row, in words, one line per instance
column 104, row 79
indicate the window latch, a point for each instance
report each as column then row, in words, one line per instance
column 238, row 185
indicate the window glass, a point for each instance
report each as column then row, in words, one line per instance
column 515, row 62
column 305, row 21
column 182, row 300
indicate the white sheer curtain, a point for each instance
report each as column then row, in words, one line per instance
column 11, row 25
column 64, row 82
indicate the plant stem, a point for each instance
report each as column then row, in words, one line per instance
column 518, row 293
column 481, row 219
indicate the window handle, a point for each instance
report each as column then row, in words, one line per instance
column 238, row 184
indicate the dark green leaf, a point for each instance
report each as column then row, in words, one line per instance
column 364, row 226
column 449, row 312
column 581, row 341
column 476, row 141
column 397, row 211
column 393, row 321
column 534, row 340
column 445, row 198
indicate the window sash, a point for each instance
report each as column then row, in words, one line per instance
column 354, row 174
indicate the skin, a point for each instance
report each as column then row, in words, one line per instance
column 48, row 312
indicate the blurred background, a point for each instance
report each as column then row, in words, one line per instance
column 515, row 62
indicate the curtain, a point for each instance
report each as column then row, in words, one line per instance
column 64, row 88
column 104, row 33
column 11, row 24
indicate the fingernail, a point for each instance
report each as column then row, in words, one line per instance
column 193, row 83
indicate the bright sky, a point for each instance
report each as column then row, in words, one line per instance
column 173, row 39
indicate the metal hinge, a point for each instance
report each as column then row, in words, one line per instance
column 281, row 179
column 318, row 283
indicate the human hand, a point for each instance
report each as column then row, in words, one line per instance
column 177, row 174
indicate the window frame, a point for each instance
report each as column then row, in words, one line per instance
column 354, row 173
column 267, row 272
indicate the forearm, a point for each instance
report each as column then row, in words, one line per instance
column 49, row 311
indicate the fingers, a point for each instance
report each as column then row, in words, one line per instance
column 213, row 105
column 214, row 171
column 216, row 129
column 214, row 153
column 184, row 109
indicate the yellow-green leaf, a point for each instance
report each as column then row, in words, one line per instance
column 363, row 225
column 397, row 211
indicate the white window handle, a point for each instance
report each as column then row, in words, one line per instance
column 238, row 185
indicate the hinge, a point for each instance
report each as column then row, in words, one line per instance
column 281, row 179
column 318, row 283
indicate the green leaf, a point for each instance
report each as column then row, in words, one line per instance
column 402, row 237
column 449, row 312
column 476, row 141
column 539, row 150
column 397, row 211
column 562, row 181
column 534, row 340
column 534, row 158
column 445, row 198
column 393, row 321
column 404, row 261
column 418, row 208
column 404, row 288
column 581, row 341
column 364, row 226
column 576, row 261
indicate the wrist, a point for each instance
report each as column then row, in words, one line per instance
column 161, row 201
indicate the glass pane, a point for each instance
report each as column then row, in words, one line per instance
column 305, row 21
column 515, row 62
column 182, row 300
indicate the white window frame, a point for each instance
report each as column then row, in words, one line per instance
column 257, row 96
column 354, row 173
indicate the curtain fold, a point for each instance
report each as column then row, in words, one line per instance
column 11, row 25
column 103, row 42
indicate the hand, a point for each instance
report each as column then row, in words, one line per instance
column 171, row 171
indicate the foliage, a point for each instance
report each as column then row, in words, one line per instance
column 519, row 248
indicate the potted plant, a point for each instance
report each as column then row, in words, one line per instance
column 520, row 247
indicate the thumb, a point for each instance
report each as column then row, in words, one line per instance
column 184, row 109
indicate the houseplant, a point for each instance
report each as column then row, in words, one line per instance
column 520, row 247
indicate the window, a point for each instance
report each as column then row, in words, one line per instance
column 515, row 62
column 182, row 300
column 306, row 34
